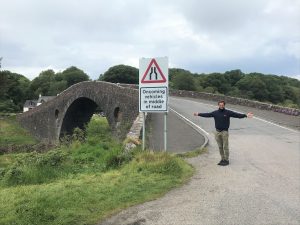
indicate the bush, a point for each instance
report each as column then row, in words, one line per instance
column 35, row 168
column 8, row 106
column 78, row 135
column 99, row 153
column 162, row 163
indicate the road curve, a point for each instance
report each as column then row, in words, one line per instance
column 260, row 186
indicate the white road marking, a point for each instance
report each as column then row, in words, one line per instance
column 254, row 117
column 258, row 118
column 183, row 117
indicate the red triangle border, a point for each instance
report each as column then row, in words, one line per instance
column 153, row 61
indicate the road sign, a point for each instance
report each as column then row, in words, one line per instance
column 153, row 74
column 153, row 85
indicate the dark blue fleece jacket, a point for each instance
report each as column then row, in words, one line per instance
column 222, row 118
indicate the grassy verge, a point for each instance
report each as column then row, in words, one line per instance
column 192, row 154
column 11, row 134
column 83, row 182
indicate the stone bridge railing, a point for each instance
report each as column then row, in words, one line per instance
column 236, row 101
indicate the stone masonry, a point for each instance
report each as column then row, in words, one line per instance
column 75, row 106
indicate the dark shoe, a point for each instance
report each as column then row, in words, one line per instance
column 225, row 163
column 221, row 162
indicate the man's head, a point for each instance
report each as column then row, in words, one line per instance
column 221, row 104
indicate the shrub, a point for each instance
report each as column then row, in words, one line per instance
column 162, row 163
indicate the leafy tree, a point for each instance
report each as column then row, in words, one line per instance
column 41, row 84
column 209, row 90
column 8, row 106
column 233, row 76
column 234, row 92
column 174, row 71
column 74, row 75
column 252, row 86
column 276, row 94
column 184, row 81
column 292, row 94
column 121, row 74
column 4, row 83
column 50, row 83
column 14, row 89
column 218, row 81
column 57, row 87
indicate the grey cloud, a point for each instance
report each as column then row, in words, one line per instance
column 201, row 36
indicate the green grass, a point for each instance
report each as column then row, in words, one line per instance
column 82, row 183
column 12, row 134
column 192, row 154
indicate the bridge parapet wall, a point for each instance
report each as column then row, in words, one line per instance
column 236, row 101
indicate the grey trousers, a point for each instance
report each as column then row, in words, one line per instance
column 222, row 140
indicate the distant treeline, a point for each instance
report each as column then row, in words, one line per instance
column 282, row 90
column 15, row 88
column 274, row 89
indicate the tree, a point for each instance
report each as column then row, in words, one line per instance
column 50, row 83
column 174, row 71
column 74, row 75
column 184, row 81
column 218, row 81
column 41, row 84
column 14, row 89
column 233, row 76
column 4, row 83
column 209, row 90
column 252, row 86
column 234, row 92
column 57, row 87
column 121, row 74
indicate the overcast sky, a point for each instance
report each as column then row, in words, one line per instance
column 197, row 35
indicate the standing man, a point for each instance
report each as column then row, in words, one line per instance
column 222, row 122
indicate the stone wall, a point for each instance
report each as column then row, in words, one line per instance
column 235, row 101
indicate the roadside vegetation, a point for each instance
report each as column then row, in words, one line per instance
column 86, row 179
column 11, row 133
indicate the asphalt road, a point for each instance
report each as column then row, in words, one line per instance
column 181, row 138
column 261, row 186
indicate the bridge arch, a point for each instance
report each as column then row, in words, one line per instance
column 75, row 106
column 77, row 114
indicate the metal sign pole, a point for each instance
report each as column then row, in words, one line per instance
column 144, row 118
column 165, row 131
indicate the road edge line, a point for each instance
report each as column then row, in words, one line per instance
column 197, row 128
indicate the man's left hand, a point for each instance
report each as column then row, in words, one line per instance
column 249, row 115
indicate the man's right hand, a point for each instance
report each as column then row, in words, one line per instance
column 195, row 114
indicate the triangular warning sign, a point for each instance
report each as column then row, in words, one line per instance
column 153, row 74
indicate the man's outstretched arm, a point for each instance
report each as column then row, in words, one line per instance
column 240, row 115
column 203, row 114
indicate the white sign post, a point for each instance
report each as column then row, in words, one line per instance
column 154, row 89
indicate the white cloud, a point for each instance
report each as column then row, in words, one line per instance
column 197, row 35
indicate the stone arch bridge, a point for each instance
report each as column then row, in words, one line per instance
column 75, row 106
